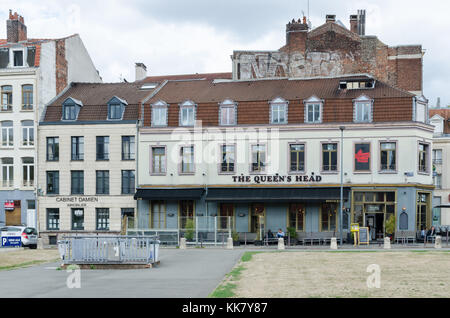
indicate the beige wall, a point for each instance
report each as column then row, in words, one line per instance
column 115, row 200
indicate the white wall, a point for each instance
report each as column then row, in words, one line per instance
column 80, row 65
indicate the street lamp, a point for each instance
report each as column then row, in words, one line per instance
column 342, row 183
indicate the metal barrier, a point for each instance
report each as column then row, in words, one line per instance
column 109, row 249
column 165, row 237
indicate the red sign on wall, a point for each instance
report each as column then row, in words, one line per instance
column 9, row 205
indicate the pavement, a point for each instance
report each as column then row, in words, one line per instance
column 181, row 274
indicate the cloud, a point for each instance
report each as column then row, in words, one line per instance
column 178, row 36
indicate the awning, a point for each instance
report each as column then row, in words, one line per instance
column 291, row 194
column 169, row 194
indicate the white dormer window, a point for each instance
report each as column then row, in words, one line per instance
column 438, row 122
column 313, row 110
column 18, row 57
column 227, row 113
column 421, row 110
column 71, row 108
column 187, row 113
column 159, row 113
column 362, row 109
column 278, row 111
column 116, row 108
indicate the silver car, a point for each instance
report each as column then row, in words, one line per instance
column 28, row 235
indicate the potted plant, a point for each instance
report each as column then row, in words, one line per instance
column 390, row 226
column 189, row 235
column 235, row 237
column 292, row 235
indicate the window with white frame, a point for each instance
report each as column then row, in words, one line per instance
column 362, row 112
column 27, row 133
column 227, row 113
column 158, row 160
column 28, row 171
column 187, row 159
column 187, row 113
column 7, row 98
column 7, row 134
column 159, row 113
column 313, row 110
column 421, row 109
column 7, row 172
column 437, row 156
column 423, row 157
column 258, row 158
column 278, row 111
column 18, row 58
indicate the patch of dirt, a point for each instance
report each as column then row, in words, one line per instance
column 27, row 255
column 339, row 274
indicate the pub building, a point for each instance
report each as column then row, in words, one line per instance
column 87, row 159
column 269, row 151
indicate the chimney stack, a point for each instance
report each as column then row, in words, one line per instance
column 16, row 30
column 361, row 22
column 296, row 33
column 330, row 18
column 141, row 71
column 354, row 23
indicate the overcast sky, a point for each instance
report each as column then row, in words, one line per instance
column 198, row 36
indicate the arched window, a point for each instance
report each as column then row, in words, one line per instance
column 159, row 113
column 187, row 113
column 227, row 113
column 278, row 111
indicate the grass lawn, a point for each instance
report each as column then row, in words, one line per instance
column 26, row 257
column 294, row 274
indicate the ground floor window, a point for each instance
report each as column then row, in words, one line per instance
column 297, row 216
column 158, row 220
column 226, row 216
column 328, row 217
column 77, row 219
column 52, row 219
column 102, row 219
column 423, row 221
column 186, row 212
column 127, row 219
column 257, row 218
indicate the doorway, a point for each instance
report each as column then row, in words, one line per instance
column 375, row 223
column 257, row 217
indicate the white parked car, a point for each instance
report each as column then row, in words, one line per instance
column 28, row 235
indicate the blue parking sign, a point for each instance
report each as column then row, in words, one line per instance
column 11, row 241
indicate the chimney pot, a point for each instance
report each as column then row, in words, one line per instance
column 330, row 18
column 16, row 30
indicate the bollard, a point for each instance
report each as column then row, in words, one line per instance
column 40, row 244
column 182, row 243
column 281, row 243
column 387, row 243
column 438, row 242
column 229, row 243
column 333, row 243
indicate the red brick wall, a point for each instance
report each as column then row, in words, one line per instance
column 61, row 66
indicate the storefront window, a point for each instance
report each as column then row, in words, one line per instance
column 297, row 216
column 102, row 215
column 186, row 212
column 158, row 215
column 52, row 219
column 422, row 215
column 328, row 217
column 226, row 216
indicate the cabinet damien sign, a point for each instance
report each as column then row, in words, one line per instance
column 76, row 201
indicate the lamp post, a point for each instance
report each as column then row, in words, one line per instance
column 342, row 183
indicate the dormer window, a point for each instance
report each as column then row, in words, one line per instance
column 71, row 108
column 421, row 111
column 116, row 107
column 187, row 113
column 227, row 113
column 18, row 58
column 278, row 111
column 313, row 110
column 159, row 113
column 362, row 109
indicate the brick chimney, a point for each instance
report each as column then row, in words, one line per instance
column 16, row 30
column 354, row 23
column 296, row 33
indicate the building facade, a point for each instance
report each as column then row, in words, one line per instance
column 267, row 153
column 440, row 119
column 332, row 49
column 32, row 72
column 88, row 138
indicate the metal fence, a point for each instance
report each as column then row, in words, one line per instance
column 209, row 230
column 109, row 249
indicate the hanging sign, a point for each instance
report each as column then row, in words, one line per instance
column 9, row 205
